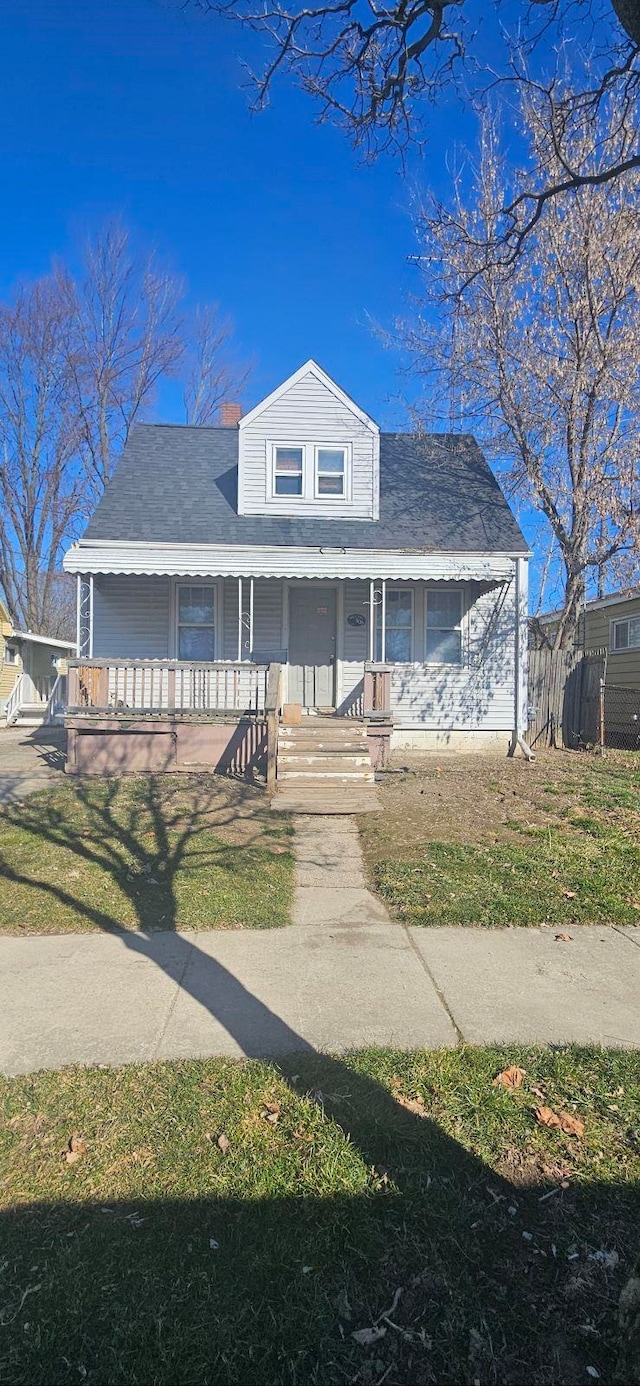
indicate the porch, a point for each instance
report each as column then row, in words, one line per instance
column 126, row 716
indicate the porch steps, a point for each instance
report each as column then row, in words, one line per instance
column 29, row 715
column 324, row 767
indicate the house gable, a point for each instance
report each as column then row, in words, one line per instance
column 306, row 426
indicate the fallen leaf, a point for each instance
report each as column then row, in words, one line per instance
column 223, row 1143
column 412, row 1104
column 571, row 1125
column 75, row 1150
column 367, row 1336
column 564, row 938
column 271, row 1112
column 214, row 1245
column 511, row 1077
column 546, row 1116
column 569, row 894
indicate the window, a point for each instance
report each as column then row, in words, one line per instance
column 330, row 471
column 196, row 622
column 398, row 626
column 443, row 640
column 10, row 654
column 625, row 635
column 287, row 478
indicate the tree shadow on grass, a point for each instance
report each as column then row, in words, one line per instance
column 135, row 1292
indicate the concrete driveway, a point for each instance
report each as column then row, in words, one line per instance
column 30, row 759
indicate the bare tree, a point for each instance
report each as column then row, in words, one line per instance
column 382, row 71
column 41, row 488
column 125, row 336
column 212, row 374
column 543, row 359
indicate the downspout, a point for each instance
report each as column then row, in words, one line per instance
column 520, row 663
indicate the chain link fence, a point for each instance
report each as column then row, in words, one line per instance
column 620, row 717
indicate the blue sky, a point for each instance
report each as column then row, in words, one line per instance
column 130, row 106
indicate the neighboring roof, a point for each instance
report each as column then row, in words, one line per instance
column 178, row 485
column 595, row 604
column 42, row 640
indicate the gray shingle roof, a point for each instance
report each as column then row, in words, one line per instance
column 178, row 485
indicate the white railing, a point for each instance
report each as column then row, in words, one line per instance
column 56, row 702
column 149, row 686
column 14, row 701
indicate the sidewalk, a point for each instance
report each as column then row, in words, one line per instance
column 343, row 975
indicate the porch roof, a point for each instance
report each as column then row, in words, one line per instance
column 209, row 561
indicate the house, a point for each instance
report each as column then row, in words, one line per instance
column 296, row 558
column 29, row 673
column 610, row 624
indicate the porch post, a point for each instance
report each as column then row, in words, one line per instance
column 239, row 619
column 383, row 643
column 250, row 618
column 91, row 616
column 372, row 621
column 78, row 605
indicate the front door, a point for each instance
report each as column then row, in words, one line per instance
column 312, row 646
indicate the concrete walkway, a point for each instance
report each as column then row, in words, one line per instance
column 342, row 975
column 30, row 758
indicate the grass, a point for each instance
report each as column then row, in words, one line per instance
column 563, row 852
column 166, row 852
column 471, row 1235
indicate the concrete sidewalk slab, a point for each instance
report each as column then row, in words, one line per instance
column 133, row 997
column 521, row 985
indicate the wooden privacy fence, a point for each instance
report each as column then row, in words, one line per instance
column 564, row 697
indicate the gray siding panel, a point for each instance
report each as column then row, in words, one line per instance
column 131, row 617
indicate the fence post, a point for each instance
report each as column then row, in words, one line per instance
column 601, row 717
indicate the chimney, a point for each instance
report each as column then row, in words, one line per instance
column 230, row 414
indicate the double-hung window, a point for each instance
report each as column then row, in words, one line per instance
column 196, row 622
column 330, row 471
column 398, row 626
column 287, row 471
column 625, row 635
column 443, row 636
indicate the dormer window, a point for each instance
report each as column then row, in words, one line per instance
column 287, row 478
column 331, row 465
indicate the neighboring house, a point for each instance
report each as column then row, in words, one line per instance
column 379, row 577
column 28, row 672
column 610, row 624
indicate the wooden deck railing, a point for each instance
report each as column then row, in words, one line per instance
column 377, row 690
column 118, row 687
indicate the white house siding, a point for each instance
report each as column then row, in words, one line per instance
column 131, row 617
column 267, row 619
column 307, row 413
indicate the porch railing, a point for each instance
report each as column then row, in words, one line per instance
column 377, row 690
column 118, row 687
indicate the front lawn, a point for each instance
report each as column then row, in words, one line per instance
column 390, row 1218
column 476, row 840
column 164, row 852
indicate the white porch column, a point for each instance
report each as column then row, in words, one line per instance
column 250, row 618
column 383, row 621
column 239, row 619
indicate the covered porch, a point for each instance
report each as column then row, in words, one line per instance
column 425, row 644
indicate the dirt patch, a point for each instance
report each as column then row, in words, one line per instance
column 474, row 798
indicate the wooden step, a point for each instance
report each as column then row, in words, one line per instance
column 317, row 799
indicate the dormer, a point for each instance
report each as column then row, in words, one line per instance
column 308, row 450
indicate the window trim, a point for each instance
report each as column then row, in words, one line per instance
column 460, row 626
column 323, row 496
column 214, row 586
column 629, row 647
column 290, row 496
column 15, row 655
column 397, row 663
